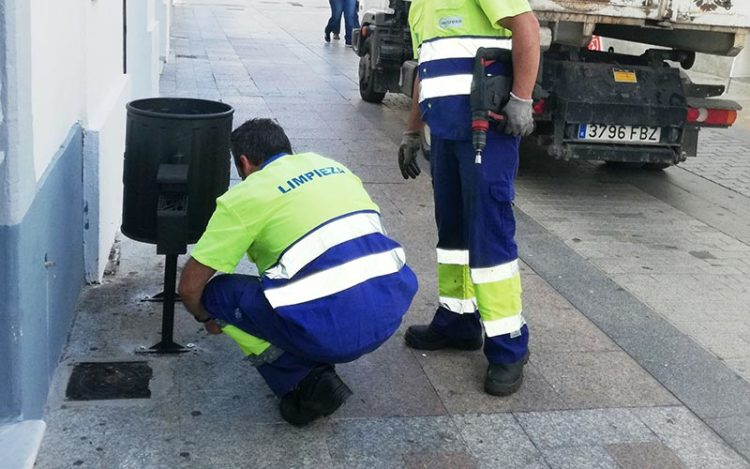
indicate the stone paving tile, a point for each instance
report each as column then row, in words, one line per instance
column 741, row 366
column 722, row 157
column 458, row 378
column 372, row 379
column 113, row 434
column 653, row 250
column 644, row 455
column 388, row 443
column 576, row 457
column 258, row 445
column 735, row 429
column 691, row 441
column 555, row 325
column 498, row 441
column 576, row 428
column 601, row 380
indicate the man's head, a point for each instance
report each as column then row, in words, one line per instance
column 255, row 141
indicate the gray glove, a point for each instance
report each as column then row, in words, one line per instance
column 407, row 155
column 519, row 119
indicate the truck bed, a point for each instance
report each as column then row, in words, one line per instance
column 711, row 26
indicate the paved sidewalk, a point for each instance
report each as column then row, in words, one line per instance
column 586, row 401
column 724, row 158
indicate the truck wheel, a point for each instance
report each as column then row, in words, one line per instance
column 656, row 166
column 366, row 81
column 624, row 164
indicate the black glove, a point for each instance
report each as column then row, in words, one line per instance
column 407, row 155
column 519, row 117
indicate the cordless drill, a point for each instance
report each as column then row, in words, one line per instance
column 489, row 93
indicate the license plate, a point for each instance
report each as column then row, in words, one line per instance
column 619, row 133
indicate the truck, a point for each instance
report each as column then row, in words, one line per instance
column 637, row 111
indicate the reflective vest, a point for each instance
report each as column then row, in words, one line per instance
column 317, row 239
column 446, row 35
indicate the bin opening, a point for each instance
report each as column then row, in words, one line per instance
column 179, row 108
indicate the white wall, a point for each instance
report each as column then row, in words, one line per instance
column 143, row 47
column 17, row 180
column 107, row 92
column 75, row 70
column 164, row 17
column 58, row 84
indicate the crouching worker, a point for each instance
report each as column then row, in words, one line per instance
column 332, row 288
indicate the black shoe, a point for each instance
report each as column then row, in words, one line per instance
column 336, row 36
column 347, row 43
column 503, row 379
column 424, row 338
column 319, row 394
column 328, row 36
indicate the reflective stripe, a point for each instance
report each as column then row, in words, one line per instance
column 319, row 241
column 459, row 306
column 453, row 256
column 451, row 85
column 495, row 274
column 459, row 47
column 454, row 281
column 503, row 326
column 336, row 279
column 501, row 299
column 249, row 344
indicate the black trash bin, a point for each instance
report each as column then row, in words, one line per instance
column 174, row 131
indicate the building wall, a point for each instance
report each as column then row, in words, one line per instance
column 58, row 86
column 63, row 92
column 48, row 272
column 107, row 90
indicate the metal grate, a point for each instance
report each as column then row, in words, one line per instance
column 109, row 380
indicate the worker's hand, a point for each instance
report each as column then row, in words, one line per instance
column 519, row 118
column 407, row 154
column 212, row 327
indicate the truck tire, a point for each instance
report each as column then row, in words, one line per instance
column 624, row 164
column 366, row 82
column 656, row 166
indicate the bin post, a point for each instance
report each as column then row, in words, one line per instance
column 171, row 240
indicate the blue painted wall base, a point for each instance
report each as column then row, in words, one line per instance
column 40, row 280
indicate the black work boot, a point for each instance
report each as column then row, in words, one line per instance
column 503, row 379
column 425, row 338
column 319, row 394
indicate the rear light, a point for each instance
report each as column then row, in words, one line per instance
column 705, row 116
column 364, row 31
column 539, row 106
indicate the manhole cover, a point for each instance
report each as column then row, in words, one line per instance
column 109, row 380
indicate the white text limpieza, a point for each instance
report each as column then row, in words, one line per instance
column 295, row 182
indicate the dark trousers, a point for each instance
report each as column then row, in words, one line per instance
column 349, row 10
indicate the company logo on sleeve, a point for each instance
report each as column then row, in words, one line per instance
column 447, row 22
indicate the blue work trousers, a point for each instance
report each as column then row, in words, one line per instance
column 349, row 9
column 355, row 330
column 473, row 211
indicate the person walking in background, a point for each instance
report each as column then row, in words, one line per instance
column 347, row 8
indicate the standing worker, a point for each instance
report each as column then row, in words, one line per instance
column 333, row 286
column 478, row 275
